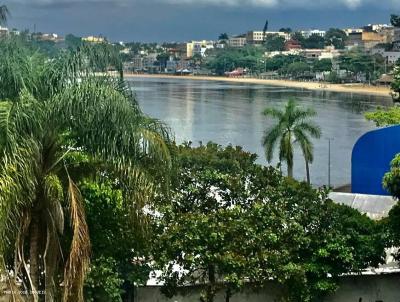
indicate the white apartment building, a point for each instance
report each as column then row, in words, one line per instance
column 349, row 31
column 309, row 33
column 379, row 27
column 237, row 42
column 257, row 37
column 198, row 47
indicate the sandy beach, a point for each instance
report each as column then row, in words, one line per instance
column 348, row 88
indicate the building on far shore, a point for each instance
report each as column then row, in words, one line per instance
column 396, row 38
column 257, row 37
column 391, row 56
column 198, row 47
column 237, row 41
column 308, row 33
column 292, row 44
column 94, row 39
column 3, row 31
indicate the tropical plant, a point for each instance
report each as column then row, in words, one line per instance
column 293, row 127
column 4, row 13
column 61, row 122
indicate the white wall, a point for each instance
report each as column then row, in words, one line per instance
column 385, row 288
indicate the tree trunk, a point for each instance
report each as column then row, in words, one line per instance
column 308, row 172
column 50, row 262
column 290, row 170
column 211, row 286
column 228, row 294
column 34, row 257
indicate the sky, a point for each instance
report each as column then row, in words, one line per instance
column 182, row 20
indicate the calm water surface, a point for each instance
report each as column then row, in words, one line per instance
column 231, row 113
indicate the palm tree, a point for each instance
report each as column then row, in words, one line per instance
column 4, row 13
column 293, row 127
column 60, row 123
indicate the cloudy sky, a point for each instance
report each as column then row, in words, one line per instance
column 180, row 20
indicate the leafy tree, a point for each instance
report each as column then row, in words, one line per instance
column 73, row 42
column 391, row 180
column 298, row 36
column 293, row 127
column 297, row 68
column 230, row 223
column 228, row 59
column 223, row 36
column 274, row 43
column 4, row 13
column 287, row 30
column 59, row 123
column 396, row 84
column 103, row 283
column 359, row 63
column 322, row 65
column 119, row 248
column 205, row 175
column 336, row 37
column 281, row 62
column 163, row 59
column 395, row 20
column 315, row 41
column 384, row 117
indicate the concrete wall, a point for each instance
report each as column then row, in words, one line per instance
column 374, row 288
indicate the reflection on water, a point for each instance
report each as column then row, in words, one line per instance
column 230, row 113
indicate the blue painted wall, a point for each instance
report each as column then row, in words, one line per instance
column 371, row 159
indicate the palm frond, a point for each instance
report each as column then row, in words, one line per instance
column 274, row 113
column 305, row 144
column 270, row 140
column 79, row 257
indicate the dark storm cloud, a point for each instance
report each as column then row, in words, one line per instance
column 179, row 20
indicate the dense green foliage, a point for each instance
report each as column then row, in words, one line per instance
column 274, row 43
column 116, row 242
column 223, row 36
column 391, row 181
column 390, row 116
column 229, row 220
column 280, row 63
column 359, row 63
column 230, row 59
column 396, row 84
column 322, row 65
column 384, row 117
column 395, row 20
column 336, row 37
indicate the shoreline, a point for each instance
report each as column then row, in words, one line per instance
column 341, row 88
